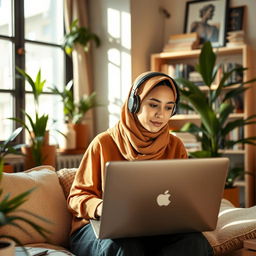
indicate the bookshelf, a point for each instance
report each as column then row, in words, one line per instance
column 241, row 55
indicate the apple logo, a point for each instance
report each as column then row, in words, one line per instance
column 163, row 199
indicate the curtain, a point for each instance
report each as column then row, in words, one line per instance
column 82, row 69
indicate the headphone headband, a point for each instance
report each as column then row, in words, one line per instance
column 134, row 99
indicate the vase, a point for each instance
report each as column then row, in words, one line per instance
column 48, row 156
column 82, row 135
column 232, row 195
column 8, row 168
column 7, row 248
column 68, row 141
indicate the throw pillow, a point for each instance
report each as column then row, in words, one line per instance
column 233, row 227
column 47, row 201
column 66, row 177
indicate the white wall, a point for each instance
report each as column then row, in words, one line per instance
column 111, row 62
column 149, row 31
column 175, row 25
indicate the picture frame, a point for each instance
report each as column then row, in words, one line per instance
column 236, row 18
column 209, row 19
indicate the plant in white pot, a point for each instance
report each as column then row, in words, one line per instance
column 75, row 112
column 39, row 151
column 10, row 206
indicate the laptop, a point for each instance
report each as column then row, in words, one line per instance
column 156, row 197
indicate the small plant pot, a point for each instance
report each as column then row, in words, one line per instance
column 232, row 195
column 48, row 156
column 8, row 168
column 82, row 135
column 7, row 248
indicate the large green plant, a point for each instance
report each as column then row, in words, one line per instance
column 80, row 35
column 75, row 112
column 214, row 108
column 10, row 206
column 37, row 125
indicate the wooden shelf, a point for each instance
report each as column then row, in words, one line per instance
column 242, row 55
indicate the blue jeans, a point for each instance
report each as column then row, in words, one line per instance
column 84, row 243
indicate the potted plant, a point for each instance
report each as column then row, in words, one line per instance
column 39, row 151
column 9, row 206
column 6, row 148
column 75, row 113
column 214, row 109
column 79, row 35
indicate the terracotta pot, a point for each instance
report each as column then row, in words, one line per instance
column 48, row 156
column 46, row 137
column 232, row 195
column 8, row 168
column 7, row 248
column 82, row 135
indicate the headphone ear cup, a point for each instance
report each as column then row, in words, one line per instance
column 134, row 103
column 174, row 110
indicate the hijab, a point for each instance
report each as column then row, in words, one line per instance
column 132, row 139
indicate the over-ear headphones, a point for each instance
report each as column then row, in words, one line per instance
column 134, row 99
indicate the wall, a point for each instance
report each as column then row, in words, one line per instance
column 176, row 23
column 148, row 32
column 103, row 64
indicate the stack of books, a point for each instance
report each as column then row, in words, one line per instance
column 182, row 42
column 235, row 38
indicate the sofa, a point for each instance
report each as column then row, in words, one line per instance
column 49, row 201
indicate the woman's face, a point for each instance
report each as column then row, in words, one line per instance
column 156, row 108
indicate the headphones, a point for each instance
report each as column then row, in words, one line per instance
column 134, row 99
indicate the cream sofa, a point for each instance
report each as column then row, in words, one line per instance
column 49, row 200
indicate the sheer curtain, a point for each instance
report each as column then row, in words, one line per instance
column 82, row 69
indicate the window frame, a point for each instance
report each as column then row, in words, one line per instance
column 18, row 56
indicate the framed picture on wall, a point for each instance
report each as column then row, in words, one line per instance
column 208, row 19
column 235, row 18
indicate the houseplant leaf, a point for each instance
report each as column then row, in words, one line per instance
column 207, row 60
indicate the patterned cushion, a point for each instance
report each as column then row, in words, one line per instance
column 66, row 177
column 233, row 227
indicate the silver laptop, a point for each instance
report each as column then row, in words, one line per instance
column 145, row 198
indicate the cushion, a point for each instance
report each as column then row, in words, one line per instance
column 233, row 227
column 66, row 177
column 47, row 201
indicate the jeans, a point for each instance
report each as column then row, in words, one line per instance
column 84, row 243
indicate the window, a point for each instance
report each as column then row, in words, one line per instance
column 31, row 34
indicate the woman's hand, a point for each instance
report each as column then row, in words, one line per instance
column 99, row 210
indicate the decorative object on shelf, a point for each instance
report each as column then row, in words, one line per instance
column 75, row 113
column 80, row 35
column 235, row 38
column 215, row 123
column 208, row 19
column 8, row 206
column 235, row 18
column 39, row 151
column 182, row 42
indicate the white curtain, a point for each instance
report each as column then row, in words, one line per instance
column 82, row 69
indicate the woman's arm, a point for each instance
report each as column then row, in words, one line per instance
column 86, row 191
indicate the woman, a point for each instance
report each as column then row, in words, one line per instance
column 141, row 134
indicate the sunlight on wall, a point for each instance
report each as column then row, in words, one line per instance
column 119, row 61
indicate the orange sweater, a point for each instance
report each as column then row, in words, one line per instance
column 87, row 188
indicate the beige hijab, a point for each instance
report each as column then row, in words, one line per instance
column 133, row 140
